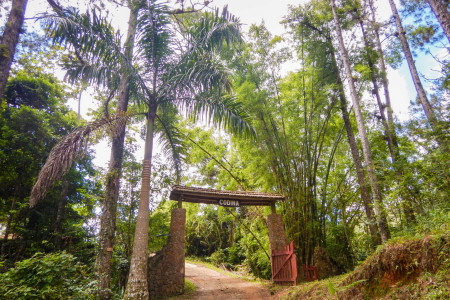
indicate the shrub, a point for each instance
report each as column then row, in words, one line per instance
column 218, row 257
column 47, row 276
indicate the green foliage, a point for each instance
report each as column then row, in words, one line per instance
column 218, row 257
column 48, row 276
column 32, row 123
column 331, row 288
column 35, row 90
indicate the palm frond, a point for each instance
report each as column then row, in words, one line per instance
column 211, row 31
column 92, row 38
column 155, row 36
column 93, row 73
column 198, row 74
column 224, row 111
column 96, row 44
column 171, row 139
column 62, row 156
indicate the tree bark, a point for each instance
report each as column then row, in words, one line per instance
column 441, row 10
column 393, row 147
column 9, row 40
column 365, row 195
column 412, row 68
column 137, row 287
column 384, row 79
column 109, row 209
column 380, row 210
column 60, row 211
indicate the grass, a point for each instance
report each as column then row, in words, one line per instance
column 188, row 292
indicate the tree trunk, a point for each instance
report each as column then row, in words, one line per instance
column 137, row 287
column 384, row 79
column 412, row 68
column 380, row 211
column 440, row 9
column 109, row 209
column 364, row 190
column 365, row 195
column 9, row 40
column 393, row 147
column 60, row 211
column 376, row 92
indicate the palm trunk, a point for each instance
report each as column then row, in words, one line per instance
column 440, row 9
column 412, row 68
column 137, row 287
column 109, row 209
column 9, row 40
column 380, row 211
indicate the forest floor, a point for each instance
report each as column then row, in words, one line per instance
column 214, row 285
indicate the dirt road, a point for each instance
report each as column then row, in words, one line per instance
column 212, row 285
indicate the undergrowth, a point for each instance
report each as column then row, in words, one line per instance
column 415, row 264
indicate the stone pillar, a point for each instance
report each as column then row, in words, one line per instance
column 277, row 235
column 166, row 268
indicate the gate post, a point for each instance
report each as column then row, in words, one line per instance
column 277, row 236
column 166, row 268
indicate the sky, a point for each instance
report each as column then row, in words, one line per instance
column 250, row 12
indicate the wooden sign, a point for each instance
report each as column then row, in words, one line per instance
column 229, row 203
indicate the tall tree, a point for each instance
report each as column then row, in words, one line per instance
column 380, row 210
column 9, row 40
column 88, row 37
column 192, row 79
column 390, row 134
column 112, row 185
column 383, row 71
column 421, row 94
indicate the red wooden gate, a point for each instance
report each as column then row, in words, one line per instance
column 284, row 264
column 310, row 272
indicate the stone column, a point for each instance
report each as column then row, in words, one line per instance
column 166, row 268
column 277, row 235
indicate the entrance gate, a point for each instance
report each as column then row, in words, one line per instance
column 284, row 265
column 166, row 268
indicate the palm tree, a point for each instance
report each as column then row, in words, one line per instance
column 184, row 74
column 190, row 78
column 93, row 42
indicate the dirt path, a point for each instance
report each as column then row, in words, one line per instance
column 212, row 285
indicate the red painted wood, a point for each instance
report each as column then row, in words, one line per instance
column 284, row 265
column 310, row 272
